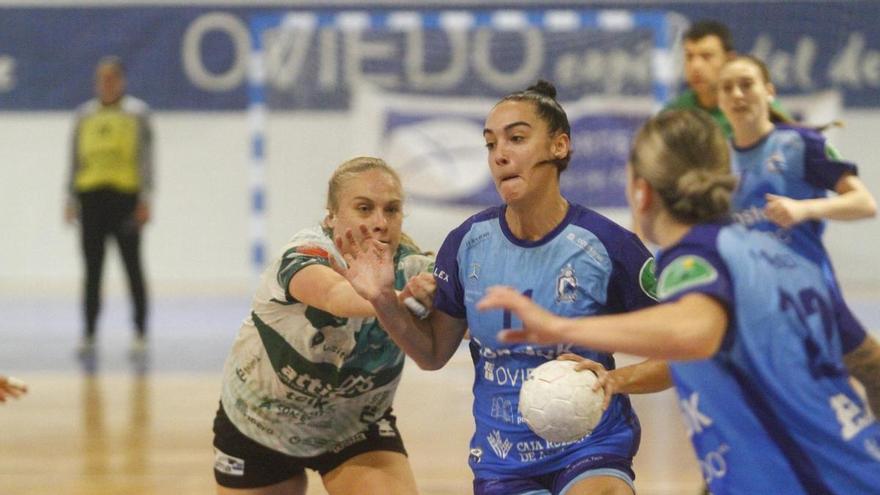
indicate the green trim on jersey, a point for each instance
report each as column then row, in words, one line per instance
column 648, row 278
column 319, row 380
column 685, row 272
column 320, row 318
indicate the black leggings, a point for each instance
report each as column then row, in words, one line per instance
column 109, row 213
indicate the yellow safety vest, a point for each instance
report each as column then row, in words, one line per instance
column 107, row 151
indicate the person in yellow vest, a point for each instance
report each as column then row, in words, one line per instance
column 109, row 187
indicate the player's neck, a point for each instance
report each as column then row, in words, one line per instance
column 668, row 231
column 746, row 135
column 707, row 100
column 533, row 221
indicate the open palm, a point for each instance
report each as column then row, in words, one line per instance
column 370, row 263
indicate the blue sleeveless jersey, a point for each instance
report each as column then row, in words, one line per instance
column 793, row 162
column 773, row 411
column 587, row 265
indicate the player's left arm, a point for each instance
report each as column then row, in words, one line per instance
column 824, row 168
column 145, row 169
column 863, row 364
column 853, row 202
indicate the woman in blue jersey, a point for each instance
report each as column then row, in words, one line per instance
column 564, row 256
column 311, row 377
column 785, row 172
column 750, row 324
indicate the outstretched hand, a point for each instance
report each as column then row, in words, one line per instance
column 369, row 263
column 11, row 388
column 539, row 326
column 784, row 211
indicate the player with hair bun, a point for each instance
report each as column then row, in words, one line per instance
column 565, row 257
column 750, row 324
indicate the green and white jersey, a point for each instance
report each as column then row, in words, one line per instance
column 302, row 381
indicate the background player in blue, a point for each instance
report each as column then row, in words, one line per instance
column 785, row 172
column 762, row 387
column 569, row 259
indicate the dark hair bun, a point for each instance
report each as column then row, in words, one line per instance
column 544, row 87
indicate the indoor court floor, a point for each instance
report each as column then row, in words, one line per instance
column 117, row 425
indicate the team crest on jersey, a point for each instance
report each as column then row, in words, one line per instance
column 775, row 162
column 566, row 285
column 648, row 278
column 685, row 272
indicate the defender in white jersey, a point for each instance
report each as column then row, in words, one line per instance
column 752, row 326
column 572, row 261
column 311, row 377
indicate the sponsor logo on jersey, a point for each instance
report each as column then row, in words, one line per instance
column 504, row 409
column 713, row 464
column 476, row 240
column 385, row 428
column 348, row 442
column 500, row 445
column 489, row 371
column 648, row 278
column 587, row 247
column 313, row 386
column 475, row 271
column 566, row 284
column 750, row 216
column 512, row 377
column 243, row 371
column 780, row 260
column 852, row 416
column 441, row 275
column 775, row 163
column 873, row 448
column 683, row 273
column 226, row 464
column 695, row 421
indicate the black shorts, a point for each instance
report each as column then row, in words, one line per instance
column 240, row 462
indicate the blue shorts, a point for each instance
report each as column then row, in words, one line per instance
column 558, row 482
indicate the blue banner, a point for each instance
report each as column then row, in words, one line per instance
column 195, row 58
column 441, row 155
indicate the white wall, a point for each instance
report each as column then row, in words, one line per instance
column 199, row 242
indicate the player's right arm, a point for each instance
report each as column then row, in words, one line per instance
column 863, row 364
column 71, row 205
column 430, row 342
column 320, row 287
